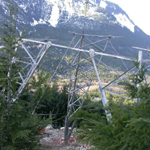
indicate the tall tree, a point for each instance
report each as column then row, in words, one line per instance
column 18, row 127
column 9, row 40
column 129, row 127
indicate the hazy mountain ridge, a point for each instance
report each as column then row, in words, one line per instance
column 53, row 19
column 57, row 12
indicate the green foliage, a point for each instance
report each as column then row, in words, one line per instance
column 93, row 106
column 56, row 103
column 89, row 126
column 50, row 98
column 18, row 127
column 47, row 99
column 129, row 127
column 21, row 129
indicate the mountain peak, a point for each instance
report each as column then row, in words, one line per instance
column 54, row 18
column 57, row 12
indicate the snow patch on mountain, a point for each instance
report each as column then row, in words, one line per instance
column 35, row 22
column 69, row 7
column 23, row 7
column 95, row 2
column 54, row 18
column 124, row 21
column 92, row 2
column 79, row 9
column 57, row 12
column 103, row 4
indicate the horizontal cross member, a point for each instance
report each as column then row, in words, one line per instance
column 82, row 50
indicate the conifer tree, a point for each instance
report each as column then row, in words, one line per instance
column 18, row 127
column 129, row 127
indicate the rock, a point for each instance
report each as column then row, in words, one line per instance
column 49, row 127
column 55, row 140
column 80, row 148
column 62, row 128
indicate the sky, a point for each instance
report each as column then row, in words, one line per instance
column 138, row 11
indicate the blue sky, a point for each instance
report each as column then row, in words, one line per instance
column 138, row 11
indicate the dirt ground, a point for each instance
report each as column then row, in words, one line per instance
column 53, row 140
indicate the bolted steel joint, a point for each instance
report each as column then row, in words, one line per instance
column 91, row 51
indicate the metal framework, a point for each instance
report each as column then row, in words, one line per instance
column 85, row 70
column 30, row 65
column 88, row 57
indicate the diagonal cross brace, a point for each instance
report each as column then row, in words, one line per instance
column 36, row 62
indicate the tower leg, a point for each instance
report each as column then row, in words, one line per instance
column 140, row 59
column 101, row 91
